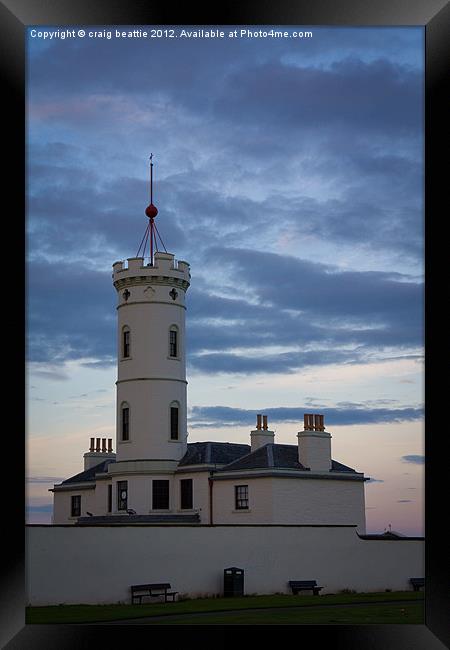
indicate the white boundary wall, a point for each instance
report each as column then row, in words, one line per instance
column 75, row 564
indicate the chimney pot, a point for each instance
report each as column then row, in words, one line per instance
column 97, row 446
column 258, row 421
column 92, row 447
column 104, row 445
column 265, row 422
column 110, row 445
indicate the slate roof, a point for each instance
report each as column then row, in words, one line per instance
column 89, row 474
column 231, row 456
column 215, row 453
column 276, row 456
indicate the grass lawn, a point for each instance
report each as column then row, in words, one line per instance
column 247, row 610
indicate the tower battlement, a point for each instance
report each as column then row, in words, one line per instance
column 164, row 266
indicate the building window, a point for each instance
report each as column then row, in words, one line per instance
column 174, row 422
column 186, row 500
column 125, row 423
column 122, row 495
column 125, row 343
column 75, row 506
column 109, row 498
column 160, row 496
column 241, row 497
column 173, row 342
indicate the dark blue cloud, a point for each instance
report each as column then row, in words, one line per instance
column 245, row 134
column 377, row 96
column 319, row 314
column 45, row 508
column 413, row 458
column 223, row 416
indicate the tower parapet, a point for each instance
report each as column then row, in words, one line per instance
column 165, row 269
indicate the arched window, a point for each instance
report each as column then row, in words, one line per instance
column 173, row 342
column 174, row 421
column 126, row 342
column 125, row 421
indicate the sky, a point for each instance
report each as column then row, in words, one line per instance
column 289, row 173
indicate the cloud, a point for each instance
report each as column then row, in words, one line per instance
column 415, row 459
column 372, row 97
column 265, row 153
column 44, row 508
column 328, row 316
column 404, row 501
column 375, row 480
column 224, row 416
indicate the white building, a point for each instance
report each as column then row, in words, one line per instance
column 155, row 474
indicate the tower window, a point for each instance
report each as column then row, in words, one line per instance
column 126, row 343
column 75, row 506
column 122, row 495
column 125, row 423
column 186, row 494
column 160, row 495
column 241, row 497
column 173, row 343
column 174, row 422
column 109, row 498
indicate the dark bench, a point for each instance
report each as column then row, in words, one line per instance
column 417, row 583
column 153, row 590
column 304, row 585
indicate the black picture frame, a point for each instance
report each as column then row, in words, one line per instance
column 434, row 16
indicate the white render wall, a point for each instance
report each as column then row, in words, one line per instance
column 62, row 504
column 271, row 500
column 292, row 501
column 71, row 564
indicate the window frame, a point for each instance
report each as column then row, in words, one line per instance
column 75, row 511
column 174, row 407
column 239, row 500
column 124, row 430
column 174, row 345
column 156, row 494
column 122, row 486
column 126, row 344
column 190, row 493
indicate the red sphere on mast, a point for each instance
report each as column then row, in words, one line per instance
column 151, row 211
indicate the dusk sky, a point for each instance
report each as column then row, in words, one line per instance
column 289, row 174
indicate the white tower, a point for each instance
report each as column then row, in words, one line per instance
column 151, row 425
column 151, row 374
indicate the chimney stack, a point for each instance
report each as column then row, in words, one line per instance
column 98, row 452
column 261, row 435
column 314, row 444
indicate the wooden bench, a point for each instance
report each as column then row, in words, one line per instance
column 304, row 585
column 417, row 583
column 153, row 590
